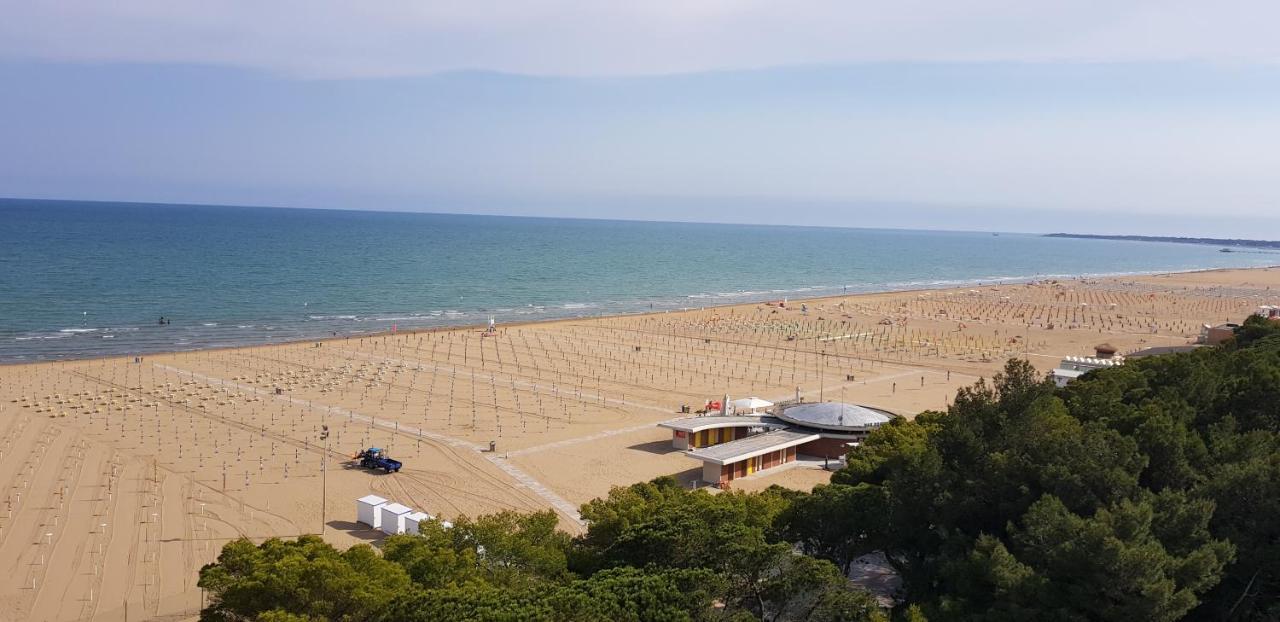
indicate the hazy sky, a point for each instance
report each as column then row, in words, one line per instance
column 1131, row 117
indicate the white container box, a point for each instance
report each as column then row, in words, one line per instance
column 367, row 510
column 412, row 520
column 393, row 518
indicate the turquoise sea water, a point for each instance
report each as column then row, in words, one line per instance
column 84, row 279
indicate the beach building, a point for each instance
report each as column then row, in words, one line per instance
column 1073, row 367
column 821, row 429
column 840, row 425
column 1271, row 312
column 368, row 510
column 726, row 462
column 413, row 520
column 1214, row 335
column 393, row 515
column 695, row 432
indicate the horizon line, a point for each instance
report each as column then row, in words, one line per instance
column 1058, row 233
column 4, row 199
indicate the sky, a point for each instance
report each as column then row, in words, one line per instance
column 1157, row 118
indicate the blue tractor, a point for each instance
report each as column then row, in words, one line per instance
column 375, row 458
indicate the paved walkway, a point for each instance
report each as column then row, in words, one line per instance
column 558, row 502
column 874, row 573
column 580, row 439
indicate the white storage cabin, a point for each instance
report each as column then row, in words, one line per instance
column 412, row 520
column 393, row 518
column 367, row 510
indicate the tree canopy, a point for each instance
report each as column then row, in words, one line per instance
column 653, row 551
column 1144, row 491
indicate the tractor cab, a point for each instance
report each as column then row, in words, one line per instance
column 376, row 458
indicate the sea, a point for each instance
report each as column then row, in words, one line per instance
column 84, row 279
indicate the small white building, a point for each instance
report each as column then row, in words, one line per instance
column 1073, row 367
column 413, row 519
column 367, row 510
column 393, row 518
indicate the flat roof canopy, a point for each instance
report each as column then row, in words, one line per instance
column 698, row 424
column 750, row 403
column 752, row 446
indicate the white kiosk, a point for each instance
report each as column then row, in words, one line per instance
column 367, row 510
column 393, row 518
column 413, row 519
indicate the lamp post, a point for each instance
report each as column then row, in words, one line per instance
column 822, row 368
column 324, row 476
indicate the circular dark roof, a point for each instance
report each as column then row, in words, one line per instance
column 835, row 416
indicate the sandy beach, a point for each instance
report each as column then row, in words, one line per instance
column 121, row 477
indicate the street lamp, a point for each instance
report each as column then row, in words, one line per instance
column 324, row 476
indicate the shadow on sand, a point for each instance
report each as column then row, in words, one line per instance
column 356, row 530
column 689, row 477
column 655, row 447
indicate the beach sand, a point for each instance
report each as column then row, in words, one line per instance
column 121, row 478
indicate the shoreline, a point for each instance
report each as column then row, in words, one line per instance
column 1002, row 281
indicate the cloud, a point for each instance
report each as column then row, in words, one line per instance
column 1153, row 139
column 329, row 39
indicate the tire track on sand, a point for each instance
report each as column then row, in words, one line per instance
column 522, row 479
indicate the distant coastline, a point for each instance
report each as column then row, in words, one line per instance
column 1225, row 242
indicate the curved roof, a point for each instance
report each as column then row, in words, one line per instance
column 835, row 416
column 752, row 446
column 697, row 424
